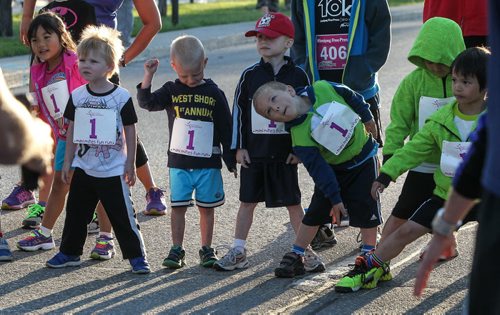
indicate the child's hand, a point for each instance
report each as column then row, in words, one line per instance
column 377, row 189
column 242, row 157
column 371, row 127
column 129, row 173
column 35, row 110
column 437, row 246
column 336, row 212
column 292, row 159
column 151, row 65
column 60, row 123
column 65, row 173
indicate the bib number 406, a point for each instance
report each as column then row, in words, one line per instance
column 334, row 53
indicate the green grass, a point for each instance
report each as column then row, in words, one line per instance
column 205, row 14
column 190, row 15
column 12, row 46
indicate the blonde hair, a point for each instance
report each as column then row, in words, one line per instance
column 187, row 51
column 104, row 40
column 263, row 90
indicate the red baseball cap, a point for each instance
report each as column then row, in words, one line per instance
column 273, row 25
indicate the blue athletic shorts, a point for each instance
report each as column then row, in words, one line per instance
column 206, row 183
column 59, row 155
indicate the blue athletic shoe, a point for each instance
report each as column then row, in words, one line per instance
column 140, row 265
column 5, row 253
column 61, row 260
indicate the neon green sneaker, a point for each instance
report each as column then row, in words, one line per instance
column 34, row 215
column 387, row 275
column 359, row 277
column 383, row 273
column 372, row 277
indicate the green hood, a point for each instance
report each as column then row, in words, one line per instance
column 439, row 40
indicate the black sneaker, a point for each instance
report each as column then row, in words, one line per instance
column 208, row 256
column 175, row 258
column 325, row 237
column 291, row 265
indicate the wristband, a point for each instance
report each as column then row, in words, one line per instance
column 441, row 226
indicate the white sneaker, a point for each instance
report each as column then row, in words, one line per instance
column 312, row 261
column 234, row 259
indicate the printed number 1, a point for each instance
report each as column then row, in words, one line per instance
column 56, row 109
column 342, row 131
column 191, row 139
column 92, row 129
column 272, row 124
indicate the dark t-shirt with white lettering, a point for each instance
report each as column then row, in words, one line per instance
column 186, row 107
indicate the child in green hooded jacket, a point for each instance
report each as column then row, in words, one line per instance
column 447, row 132
column 422, row 92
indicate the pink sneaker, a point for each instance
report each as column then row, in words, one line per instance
column 18, row 199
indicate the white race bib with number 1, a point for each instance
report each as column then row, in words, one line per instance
column 56, row 96
column 335, row 128
column 192, row 137
column 95, row 126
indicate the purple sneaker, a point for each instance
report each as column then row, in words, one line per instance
column 104, row 248
column 35, row 241
column 156, row 202
column 19, row 198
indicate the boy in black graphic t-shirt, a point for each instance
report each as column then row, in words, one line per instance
column 199, row 122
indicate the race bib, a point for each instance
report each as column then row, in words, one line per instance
column 95, row 126
column 452, row 154
column 428, row 106
column 262, row 125
column 56, row 96
column 335, row 128
column 192, row 137
column 331, row 51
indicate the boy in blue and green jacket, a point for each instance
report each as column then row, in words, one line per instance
column 347, row 43
column 331, row 129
